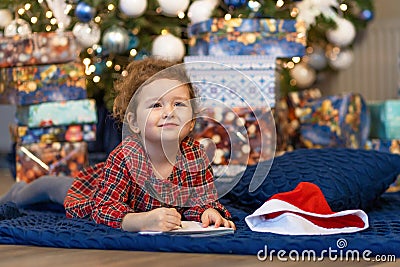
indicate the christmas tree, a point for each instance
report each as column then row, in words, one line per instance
column 115, row 32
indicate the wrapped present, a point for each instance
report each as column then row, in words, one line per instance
column 236, row 81
column 385, row 119
column 287, row 112
column 38, row 48
column 237, row 36
column 335, row 121
column 44, row 83
column 35, row 160
column 57, row 113
column 237, row 136
column 63, row 133
column 390, row 146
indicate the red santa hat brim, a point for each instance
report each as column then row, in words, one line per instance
column 304, row 211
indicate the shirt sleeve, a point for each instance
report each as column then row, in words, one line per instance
column 78, row 202
column 110, row 201
column 205, row 192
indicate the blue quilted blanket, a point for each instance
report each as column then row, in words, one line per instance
column 51, row 228
column 349, row 179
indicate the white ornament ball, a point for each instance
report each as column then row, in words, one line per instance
column 303, row 74
column 133, row 8
column 87, row 34
column 17, row 27
column 200, row 11
column 6, row 17
column 342, row 60
column 173, row 7
column 343, row 35
column 169, row 47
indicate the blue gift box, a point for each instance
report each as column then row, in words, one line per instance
column 235, row 81
column 43, row 83
column 64, row 133
column 57, row 113
column 335, row 121
column 38, row 48
column 390, row 146
column 220, row 37
column 385, row 119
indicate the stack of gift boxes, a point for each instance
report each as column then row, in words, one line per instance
column 42, row 76
column 233, row 65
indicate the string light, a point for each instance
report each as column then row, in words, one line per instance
column 294, row 12
column 296, row 59
column 92, row 68
column 21, row 11
column 110, row 7
column 181, row 15
column 254, row 5
column 86, row 61
column 290, row 65
column 109, row 63
column 228, row 16
column 133, row 52
column 343, row 7
column 89, row 50
column 280, row 3
column 34, row 20
column 96, row 79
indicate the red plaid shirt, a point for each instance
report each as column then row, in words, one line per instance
column 108, row 191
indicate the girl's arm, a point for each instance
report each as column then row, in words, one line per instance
column 111, row 198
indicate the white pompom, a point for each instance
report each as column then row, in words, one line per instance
column 133, row 8
column 173, row 7
column 343, row 35
column 169, row 47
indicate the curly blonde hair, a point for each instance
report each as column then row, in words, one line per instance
column 139, row 73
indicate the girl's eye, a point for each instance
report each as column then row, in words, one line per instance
column 155, row 105
column 180, row 104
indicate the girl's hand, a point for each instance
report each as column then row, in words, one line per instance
column 212, row 216
column 161, row 219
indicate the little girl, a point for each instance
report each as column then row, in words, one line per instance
column 157, row 176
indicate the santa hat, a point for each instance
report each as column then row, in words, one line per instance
column 304, row 211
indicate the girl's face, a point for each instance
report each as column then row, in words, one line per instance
column 164, row 111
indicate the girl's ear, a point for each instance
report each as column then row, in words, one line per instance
column 130, row 117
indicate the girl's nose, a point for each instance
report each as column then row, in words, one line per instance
column 168, row 111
